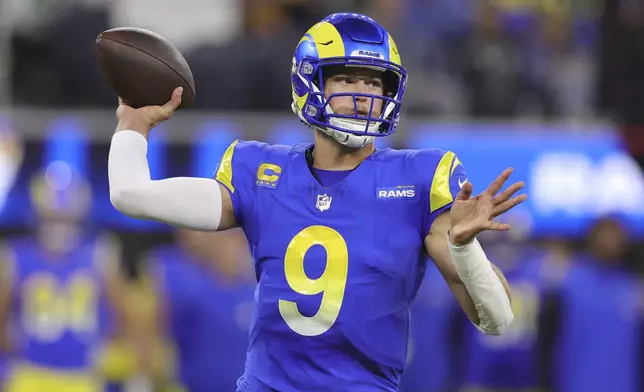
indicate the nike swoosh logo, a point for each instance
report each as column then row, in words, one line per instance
column 460, row 184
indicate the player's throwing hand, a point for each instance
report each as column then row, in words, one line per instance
column 147, row 117
column 472, row 215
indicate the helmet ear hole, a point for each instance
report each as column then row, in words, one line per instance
column 391, row 82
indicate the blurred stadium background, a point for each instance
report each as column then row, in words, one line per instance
column 554, row 88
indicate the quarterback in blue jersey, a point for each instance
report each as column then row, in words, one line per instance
column 339, row 230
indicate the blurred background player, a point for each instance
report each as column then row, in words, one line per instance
column 62, row 291
column 207, row 343
column 11, row 158
column 593, row 324
column 509, row 362
column 432, row 338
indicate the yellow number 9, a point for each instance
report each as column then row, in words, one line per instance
column 331, row 283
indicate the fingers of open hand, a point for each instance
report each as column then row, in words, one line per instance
column 497, row 184
column 466, row 192
column 508, row 205
column 498, row 226
column 508, row 193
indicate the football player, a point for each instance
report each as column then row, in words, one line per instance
column 188, row 277
column 61, row 297
column 339, row 230
column 596, row 285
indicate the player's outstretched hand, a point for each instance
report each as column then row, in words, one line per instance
column 144, row 119
column 471, row 215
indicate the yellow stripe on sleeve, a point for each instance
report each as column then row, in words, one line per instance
column 225, row 170
column 440, row 194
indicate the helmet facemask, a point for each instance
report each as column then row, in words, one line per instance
column 356, row 129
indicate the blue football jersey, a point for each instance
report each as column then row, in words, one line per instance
column 599, row 331
column 59, row 310
column 337, row 266
column 431, row 354
column 509, row 361
column 207, row 320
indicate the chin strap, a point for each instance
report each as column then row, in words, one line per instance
column 347, row 139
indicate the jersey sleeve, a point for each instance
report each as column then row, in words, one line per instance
column 237, row 172
column 448, row 178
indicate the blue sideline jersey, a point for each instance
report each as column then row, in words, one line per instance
column 509, row 361
column 337, row 266
column 207, row 318
column 431, row 354
column 59, row 316
column 58, row 305
column 599, row 336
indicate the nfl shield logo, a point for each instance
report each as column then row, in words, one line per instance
column 324, row 202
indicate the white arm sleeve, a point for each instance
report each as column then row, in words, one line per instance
column 484, row 286
column 193, row 203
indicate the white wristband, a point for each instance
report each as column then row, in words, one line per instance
column 469, row 259
column 484, row 286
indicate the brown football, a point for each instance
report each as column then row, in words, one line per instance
column 143, row 67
